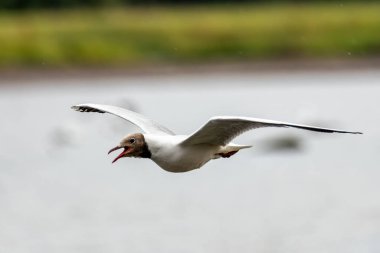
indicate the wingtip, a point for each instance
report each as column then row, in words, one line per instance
column 352, row 132
column 76, row 108
column 79, row 107
column 348, row 132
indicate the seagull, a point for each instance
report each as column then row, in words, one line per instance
column 182, row 153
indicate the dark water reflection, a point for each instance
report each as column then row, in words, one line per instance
column 59, row 191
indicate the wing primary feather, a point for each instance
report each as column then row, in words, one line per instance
column 220, row 130
column 86, row 109
column 147, row 125
column 319, row 129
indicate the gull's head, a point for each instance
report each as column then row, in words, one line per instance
column 133, row 145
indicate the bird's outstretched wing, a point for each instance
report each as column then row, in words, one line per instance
column 221, row 130
column 147, row 125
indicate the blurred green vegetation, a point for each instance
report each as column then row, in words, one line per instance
column 130, row 36
column 59, row 4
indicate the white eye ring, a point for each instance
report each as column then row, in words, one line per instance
column 132, row 140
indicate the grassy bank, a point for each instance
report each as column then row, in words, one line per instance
column 133, row 36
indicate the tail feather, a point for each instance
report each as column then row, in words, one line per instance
column 230, row 150
column 235, row 147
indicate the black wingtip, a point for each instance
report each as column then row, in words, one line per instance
column 346, row 132
column 85, row 108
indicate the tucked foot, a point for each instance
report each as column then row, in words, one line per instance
column 228, row 154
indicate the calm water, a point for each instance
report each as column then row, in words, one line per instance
column 59, row 191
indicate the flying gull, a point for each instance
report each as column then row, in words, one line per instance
column 181, row 153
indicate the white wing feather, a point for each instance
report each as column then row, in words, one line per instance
column 221, row 130
column 147, row 125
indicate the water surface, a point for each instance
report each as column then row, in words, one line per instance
column 59, row 191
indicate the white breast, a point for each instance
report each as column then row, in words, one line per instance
column 178, row 158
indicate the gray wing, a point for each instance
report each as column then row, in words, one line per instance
column 221, row 130
column 147, row 125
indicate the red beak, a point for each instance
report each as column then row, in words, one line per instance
column 113, row 149
column 121, row 154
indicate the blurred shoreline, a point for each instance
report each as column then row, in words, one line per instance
column 10, row 75
column 140, row 37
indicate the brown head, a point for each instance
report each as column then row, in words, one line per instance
column 134, row 145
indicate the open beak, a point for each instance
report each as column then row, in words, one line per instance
column 125, row 151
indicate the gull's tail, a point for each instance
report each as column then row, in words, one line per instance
column 230, row 150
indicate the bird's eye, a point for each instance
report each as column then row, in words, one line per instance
column 132, row 140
